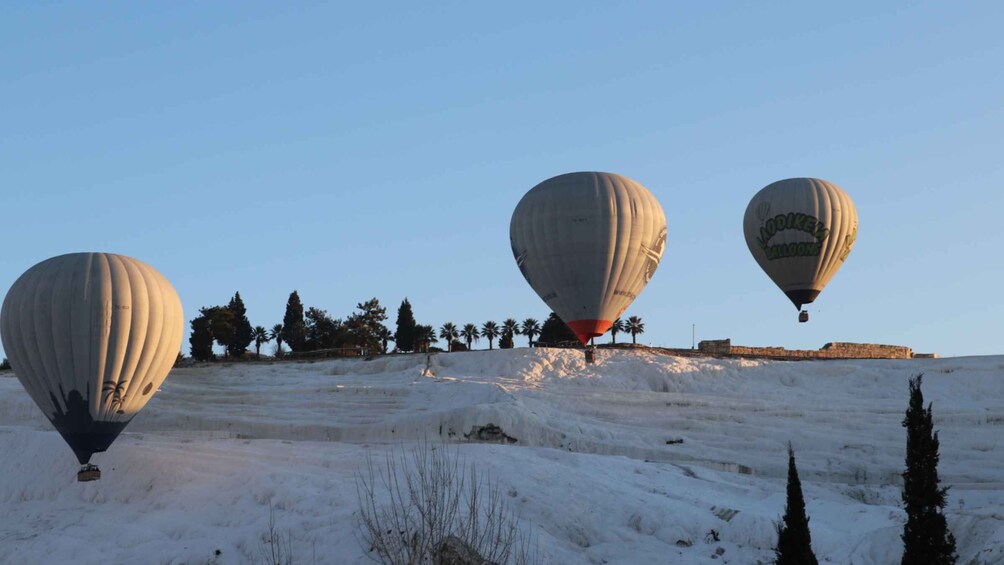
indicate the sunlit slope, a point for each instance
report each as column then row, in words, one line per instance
column 630, row 459
column 844, row 416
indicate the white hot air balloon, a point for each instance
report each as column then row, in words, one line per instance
column 588, row 243
column 800, row 231
column 91, row 336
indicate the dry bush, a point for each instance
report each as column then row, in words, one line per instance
column 274, row 548
column 415, row 502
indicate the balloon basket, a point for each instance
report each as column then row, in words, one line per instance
column 803, row 317
column 590, row 355
column 88, row 473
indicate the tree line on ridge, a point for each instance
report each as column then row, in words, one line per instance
column 364, row 331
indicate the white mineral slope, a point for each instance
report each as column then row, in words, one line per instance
column 640, row 458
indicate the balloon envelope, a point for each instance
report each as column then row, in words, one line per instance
column 588, row 243
column 91, row 336
column 800, row 231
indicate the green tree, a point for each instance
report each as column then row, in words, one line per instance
column 530, row 328
column 470, row 334
column 926, row 538
column 554, row 332
column 490, row 330
column 276, row 334
column 201, row 340
column 243, row 333
column 615, row 328
column 794, row 543
column 294, row 328
column 634, row 326
column 260, row 335
column 448, row 331
column 510, row 327
column 323, row 331
column 365, row 326
column 405, row 334
column 506, row 342
column 221, row 325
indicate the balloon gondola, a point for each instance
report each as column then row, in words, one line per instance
column 588, row 243
column 800, row 231
column 88, row 473
column 91, row 336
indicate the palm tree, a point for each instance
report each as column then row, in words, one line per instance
column 634, row 326
column 530, row 329
column 470, row 333
column 115, row 391
column 424, row 337
column 276, row 334
column 510, row 328
column 260, row 335
column 449, row 332
column 618, row 326
column 490, row 330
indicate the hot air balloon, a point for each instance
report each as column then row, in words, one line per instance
column 91, row 336
column 588, row 243
column 800, row 231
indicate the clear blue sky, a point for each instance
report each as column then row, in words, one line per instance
column 353, row 150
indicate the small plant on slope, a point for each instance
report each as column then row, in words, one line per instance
column 274, row 549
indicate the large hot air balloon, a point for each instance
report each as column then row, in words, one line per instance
column 91, row 336
column 800, row 231
column 588, row 243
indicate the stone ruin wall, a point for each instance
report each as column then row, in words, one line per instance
column 833, row 350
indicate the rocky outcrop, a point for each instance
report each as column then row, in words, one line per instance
column 489, row 433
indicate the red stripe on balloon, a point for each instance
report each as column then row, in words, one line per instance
column 586, row 329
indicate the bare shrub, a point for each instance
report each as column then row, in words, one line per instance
column 274, row 548
column 415, row 506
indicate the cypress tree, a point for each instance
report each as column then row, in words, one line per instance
column 201, row 340
column 243, row 332
column 926, row 538
column 294, row 329
column 404, row 337
column 794, row 544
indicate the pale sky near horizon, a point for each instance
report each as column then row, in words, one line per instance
column 353, row 150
